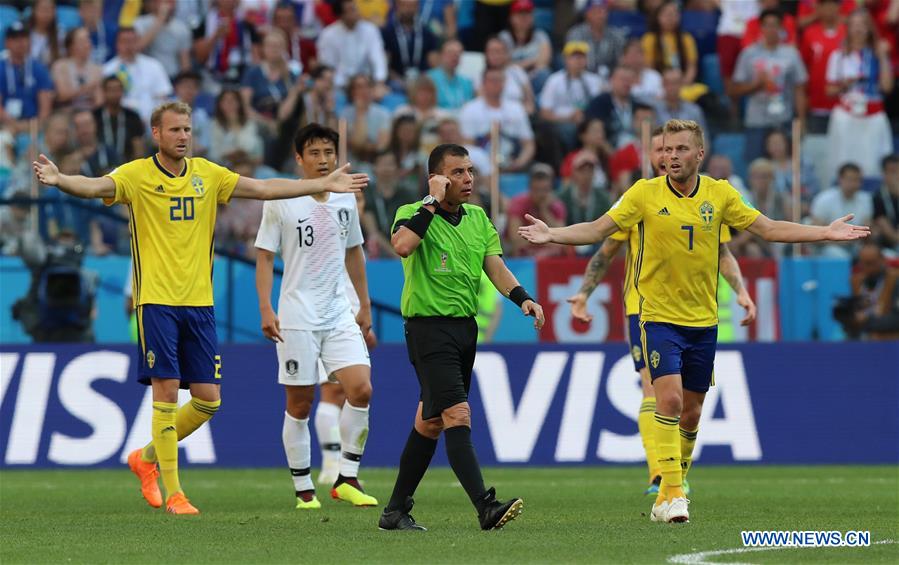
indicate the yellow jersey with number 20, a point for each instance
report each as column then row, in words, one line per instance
column 172, row 221
column 675, row 246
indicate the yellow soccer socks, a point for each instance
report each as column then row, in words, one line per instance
column 165, row 441
column 647, row 434
column 687, row 442
column 190, row 417
column 669, row 456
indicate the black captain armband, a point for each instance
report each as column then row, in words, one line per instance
column 518, row 295
column 420, row 221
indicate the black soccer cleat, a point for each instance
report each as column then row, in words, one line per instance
column 494, row 514
column 400, row 519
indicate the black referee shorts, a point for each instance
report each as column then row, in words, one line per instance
column 442, row 351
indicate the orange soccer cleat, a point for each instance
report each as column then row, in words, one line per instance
column 147, row 474
column 178, row 504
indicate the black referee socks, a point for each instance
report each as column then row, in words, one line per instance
column 464, row 461
column 413, row 463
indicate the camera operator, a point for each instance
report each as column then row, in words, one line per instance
column 873, row 309
column 59, row 306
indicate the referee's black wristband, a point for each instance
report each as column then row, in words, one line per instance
column 518, row 295
column 420, row 221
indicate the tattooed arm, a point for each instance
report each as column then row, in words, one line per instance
column 596, row 270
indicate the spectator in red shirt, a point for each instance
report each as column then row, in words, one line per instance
column 754, row 28
column 819, row 40
column 540, row 202
column 807, row 12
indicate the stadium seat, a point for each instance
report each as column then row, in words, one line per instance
column 871, row 184
column 732, row 145
column 544, row 18
column 472, row 66
column 8, row 15
column 67, row 18
column 703, row 27
column 513, row 184
column 710, row 74
column 633, row 22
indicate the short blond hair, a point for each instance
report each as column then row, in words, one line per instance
column 174, row 106
column 677, row 126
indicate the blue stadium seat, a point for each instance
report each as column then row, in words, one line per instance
column 734, row 146
column 544, row 18
column 8, row 15
column 67, row 18
column 710, row 74
column 513, row 184
column 871, row 184
column 633, row 22
column 703, row 27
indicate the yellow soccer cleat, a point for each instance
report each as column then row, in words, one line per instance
column 311, row 504
column 179, row 504
column 147, row 474
column 350, row 491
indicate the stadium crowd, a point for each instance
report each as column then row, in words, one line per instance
column 570, row 82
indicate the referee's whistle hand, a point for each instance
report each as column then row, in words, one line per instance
column 531, row 308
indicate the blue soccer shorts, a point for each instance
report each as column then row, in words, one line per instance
column 178, row 342
column 689, row 352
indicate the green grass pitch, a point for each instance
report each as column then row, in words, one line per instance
column 571, row 515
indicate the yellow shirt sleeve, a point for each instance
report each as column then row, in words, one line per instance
column 223, row 179
column 628, row 211
column 738, row 213
column 725, row 235
column 619, row 236
column 125, row 178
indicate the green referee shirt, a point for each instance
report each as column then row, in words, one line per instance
column 442, row 275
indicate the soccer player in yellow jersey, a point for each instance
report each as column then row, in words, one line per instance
column 679, row 218
column 172, row 202
column 596, row 270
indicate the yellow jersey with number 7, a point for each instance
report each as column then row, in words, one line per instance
column 675, row 263
column 172, row 220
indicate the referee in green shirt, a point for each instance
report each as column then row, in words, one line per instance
column 445, row 243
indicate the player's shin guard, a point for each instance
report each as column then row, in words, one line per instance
column 189, row 418
column 647, row 434
column 165, row 442
column 464, row 461
column 687, row 442
column 327, row 429
column 668, row 448
column 353, row 434
column 414, row 463
column 298, row 447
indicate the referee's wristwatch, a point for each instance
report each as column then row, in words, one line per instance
column 430, row 200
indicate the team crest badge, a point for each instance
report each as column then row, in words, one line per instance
column 654, row 359
column 636, row 353
column 343, row 218
column 151, row 358
column 291, row 366
column 197, row 184
column 707, row 214
column 443, row 259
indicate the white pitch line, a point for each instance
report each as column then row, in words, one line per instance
column 701, row 557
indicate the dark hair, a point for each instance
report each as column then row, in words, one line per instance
column 394, row 143
column 435, row 159
column 112, row 78
column 70, row 38
column 657, row 131
column 771, row 12
column 386, row 152
column 582, row 129
column 773, row 133
column 52, row 31
column 319, row 70
column 187, row 75
column 241, row 109
column 313, row 132
column 848, row 168
column 892, row 159
column 656, row 28
column 125, row 29
column 640, row 106
column 350, row 85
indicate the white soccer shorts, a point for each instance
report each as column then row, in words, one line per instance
column 308, row 357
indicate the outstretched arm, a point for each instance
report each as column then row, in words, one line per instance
column 76, row 185
column 584, row 233
column 596, row 270
column 730, row 270
column 505, row 282
column 789, row 232
column 341, row 180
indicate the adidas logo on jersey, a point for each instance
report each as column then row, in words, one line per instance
column 664, row 212
column 160, row 189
